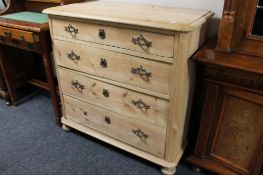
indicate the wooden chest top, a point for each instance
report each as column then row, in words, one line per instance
column 167, row 18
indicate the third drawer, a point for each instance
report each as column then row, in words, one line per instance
column 141, row 106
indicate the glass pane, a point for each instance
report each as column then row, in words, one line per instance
column 258, row 22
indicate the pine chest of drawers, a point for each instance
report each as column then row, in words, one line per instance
column 124, row 74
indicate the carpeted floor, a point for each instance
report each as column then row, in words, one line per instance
column 31, row 144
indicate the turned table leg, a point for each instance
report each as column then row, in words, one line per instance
column 50, row 77
column 7, row 74
column 169, row 171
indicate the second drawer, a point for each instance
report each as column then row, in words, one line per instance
column 122, row 100
column 152, row 75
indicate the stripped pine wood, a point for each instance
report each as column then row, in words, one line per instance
column 114, row 66
column 98, row 87
column 116, row 98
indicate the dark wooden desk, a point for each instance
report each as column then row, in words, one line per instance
column 33, row 37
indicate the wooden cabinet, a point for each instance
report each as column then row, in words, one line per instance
column 231, row 131
column 230, row 138
column 124, row 78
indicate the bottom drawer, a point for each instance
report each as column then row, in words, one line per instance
column 147, row 137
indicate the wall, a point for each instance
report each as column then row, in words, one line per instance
column 213, row 5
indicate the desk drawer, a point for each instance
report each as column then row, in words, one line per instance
column 18, row 34
column 141, row 41
column 147, row 74
column 122, row 100
column 147, row 137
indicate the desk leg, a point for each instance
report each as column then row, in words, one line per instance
column 8, row 77
column 50, row 77
column 3, row 88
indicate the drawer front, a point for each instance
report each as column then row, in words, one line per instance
column 147, row 137
column 147, row 74
column 18, row 34
column 121, row 100
column 141, row 41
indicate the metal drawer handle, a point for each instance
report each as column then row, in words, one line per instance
column 141, row 71
column 72, row 30
column 141, row 41
column 102, row 34
column 103, row 63
column 139, row 133
column 141, row 104
column 106, row 93
column 21, row 36
column 7, row 34
column 36, row 37
column 75, row 84
column 74, row 57
column 107, row 120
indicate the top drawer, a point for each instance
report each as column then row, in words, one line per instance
column 141, row 41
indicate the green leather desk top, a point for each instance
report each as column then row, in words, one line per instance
column 34, row 17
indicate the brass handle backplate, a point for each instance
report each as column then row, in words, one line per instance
column 107, row 120
column 139, row 133
column 141, row 41
column 141, row 71
column 141, row 104
column 72, row 30
column 102, row 34
column 7, row 34
column 75, row 84
column 73, row 56
column 103, row 63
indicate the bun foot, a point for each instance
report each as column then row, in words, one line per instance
column 168, row 171
column 66, row 128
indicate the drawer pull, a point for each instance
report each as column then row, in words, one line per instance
column 107, row 120
column 102, row 34
column 105, row 93
column 139, row 133
column 141, row 71
column 77, row 85
column 7, row 34
column 74, row 57
column 22, row 37
column 141, row 41
column 72, row 30
column 36, row 37
column 140, row 104
column 103, row 63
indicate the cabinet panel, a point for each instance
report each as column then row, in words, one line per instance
column 239, row 130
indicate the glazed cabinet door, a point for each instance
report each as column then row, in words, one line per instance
column 247, row 34
column 231, row 130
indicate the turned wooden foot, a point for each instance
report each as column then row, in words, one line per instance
column 66, row 128
column 8, row 103
column 168, row 171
